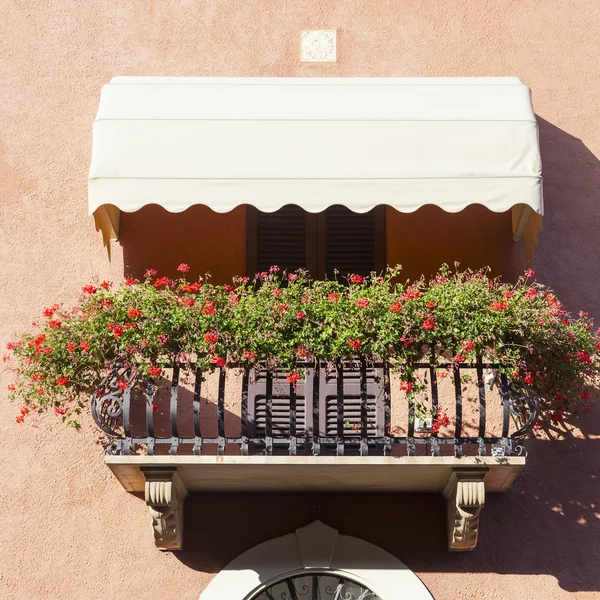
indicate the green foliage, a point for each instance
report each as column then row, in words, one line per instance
column 281, row 320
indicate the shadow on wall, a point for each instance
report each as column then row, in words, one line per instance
column 567, row 255
column 547, row 523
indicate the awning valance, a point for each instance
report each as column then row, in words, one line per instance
column 316, row 142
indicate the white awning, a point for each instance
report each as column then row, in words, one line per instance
column 316, row 142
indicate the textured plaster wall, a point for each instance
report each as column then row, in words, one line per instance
column 68, row 529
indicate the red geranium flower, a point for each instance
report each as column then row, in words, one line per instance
column 106, row 284
column 431, row 304
column 300, row 315
column 208, row 308
column 498, row 306
column 187, row 301
column 183, row 268
column 56, row 324
column 150, row 273
column 130, row 281
column 356, row 278
column 155, row 371
column 161, row 281
column 60, row 411
column 11, row 387
column 396, row 307
column 276, row 292
column 134, row 313
column 71, row 346
column 355, row 343
column 468, row 346
column 362, row 303
column 247, row 355
column 123, row 385
column 218, row 360
column 62, row 381
column 529, row 273
column 89, row 289
column 428, row 324
column 411, row 293
column 85, row 346
column 333, row 297
column 211, row 337
column 528, row 379
column 293, row 377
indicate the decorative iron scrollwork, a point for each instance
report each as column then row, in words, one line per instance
column 316, row 586
column 107, row 401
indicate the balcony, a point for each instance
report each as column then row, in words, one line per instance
column 342, row 427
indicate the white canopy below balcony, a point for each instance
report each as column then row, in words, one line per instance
column 316, row 142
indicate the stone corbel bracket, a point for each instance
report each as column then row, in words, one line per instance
column 165, row 493
column 465, row 496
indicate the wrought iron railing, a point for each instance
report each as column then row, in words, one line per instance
column 341, row 409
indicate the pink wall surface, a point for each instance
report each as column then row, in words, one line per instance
column 69, row 530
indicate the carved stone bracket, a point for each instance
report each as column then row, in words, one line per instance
column 465, row 496
column 164, row 494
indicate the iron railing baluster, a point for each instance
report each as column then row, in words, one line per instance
column 269, row 415
column 197, row 419
column 364, row 448
column 482, row 416
column 245, row 382
column 316, row 426
column 293, row 439
column 173, row 410
column 221, row 413
column 150, row 415
column 458, row 426
column 340, row 409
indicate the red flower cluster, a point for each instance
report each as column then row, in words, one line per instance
column 218, row 360
column 130, row 281
column 441, row 420
column 468, row 346
column 155, row 371
column 498, row 306
column 117, row 330
column 62, row 381
column 529, row 273
column 24, row 413
column 187, row 301
column 428, row 324
column 293, row 377
column 300, row 315
column 302, row 352
column 431, row 304
column 276, row 292
column 123, row 385
column 355, row 278
column 161, row 281
column 208, row 308
column 210, row 337
column 407, row 386
column 89, row 289
column 49, row 312
column 396, row 307
column 85, row 346
column 355, row 343
column 106, row 284
column 528, row 379
column 55, row 324
column 508, row 295
column 191, row 287
column 584, row 357
column 134, row 313
column 71, row 346
column 362, row 303
column 411, row 293
column 333, row 297
column 247, row 355
column 183, row 268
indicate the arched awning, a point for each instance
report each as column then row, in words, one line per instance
column 316, row 142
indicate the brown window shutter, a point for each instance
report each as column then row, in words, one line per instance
column 351, row 242
column 286, row 238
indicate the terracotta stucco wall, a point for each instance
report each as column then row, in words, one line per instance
column 69, row 531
